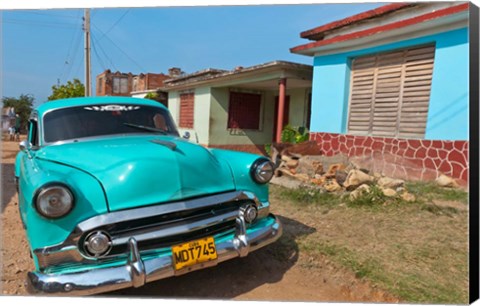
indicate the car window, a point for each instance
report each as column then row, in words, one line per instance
column 33, row 132
column 98, row 120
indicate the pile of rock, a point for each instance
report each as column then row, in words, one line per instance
column 337, row 174
column 305, row 163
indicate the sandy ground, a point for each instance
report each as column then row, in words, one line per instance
column 278, row 272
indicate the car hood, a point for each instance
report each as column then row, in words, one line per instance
column 144, row 170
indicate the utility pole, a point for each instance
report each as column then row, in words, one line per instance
column 88, row 80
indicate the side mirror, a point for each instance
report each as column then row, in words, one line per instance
column 25, row 146
column 186, row 135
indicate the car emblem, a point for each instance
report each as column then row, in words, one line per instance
column 112, row 108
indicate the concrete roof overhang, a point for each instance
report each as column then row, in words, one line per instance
column 435, row 22
column 260, row 77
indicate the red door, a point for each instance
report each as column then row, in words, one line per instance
column 285, row 115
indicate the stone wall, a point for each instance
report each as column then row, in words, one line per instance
column 411, row 159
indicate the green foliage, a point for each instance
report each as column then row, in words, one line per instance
column 22, row 105
column 268, row 149
column 152, row 96
column 308, row 196
column 430, row 190
column 292, row 134
column 69, row 90
column 374, row 197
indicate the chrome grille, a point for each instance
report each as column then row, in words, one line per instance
column 160, row 231
column 153, row 227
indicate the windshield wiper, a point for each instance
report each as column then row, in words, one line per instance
column 146, row 128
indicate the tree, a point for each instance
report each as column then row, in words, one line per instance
column 69, row 90
column 23, row 107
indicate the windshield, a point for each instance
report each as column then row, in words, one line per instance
column 98, row 120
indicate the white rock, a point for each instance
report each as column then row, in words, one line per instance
column 362, row 189
column 332, row 186
column 446, row 181
column 302, row 177
column 293, row 163
column 387, row 182
column 356, row 178
column 406, row 196
column 389, row 192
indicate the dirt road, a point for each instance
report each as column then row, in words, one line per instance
column 278, row 272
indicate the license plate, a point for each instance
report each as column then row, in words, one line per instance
column 194, row 252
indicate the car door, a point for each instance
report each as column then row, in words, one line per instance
column 26, row 166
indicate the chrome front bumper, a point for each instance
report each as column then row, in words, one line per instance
column 137, row 271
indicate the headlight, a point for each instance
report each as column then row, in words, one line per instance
column 54, row 201
column 262, row 171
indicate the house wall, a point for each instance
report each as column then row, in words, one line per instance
column 447, row 115
column 449, row 93
column 221, row 136
column 101, row 84
column 200, row 131
column 150, row 81
column 104, row 83
column 252, row 140
column 299, row 109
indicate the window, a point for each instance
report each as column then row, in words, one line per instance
column 33, row 132
column 103, row 120
column 244, row 111
column 120, row 85
column 390, row 93
column 186, row 110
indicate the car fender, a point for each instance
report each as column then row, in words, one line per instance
column 240, row 164
column 89, row 199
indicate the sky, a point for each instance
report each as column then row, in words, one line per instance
column 41, row 48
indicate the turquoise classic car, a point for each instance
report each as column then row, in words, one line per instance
column 111, row 197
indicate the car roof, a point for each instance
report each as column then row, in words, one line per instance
column 72, row 102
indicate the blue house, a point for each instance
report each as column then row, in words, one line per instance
column 391, row 88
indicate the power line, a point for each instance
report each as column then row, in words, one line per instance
column 133, row 61
column 103, row 51
column 67, row 59
column 97, row 56
column 120, row 49
column 80, row 65
column 116, row 22
column 75, row 52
